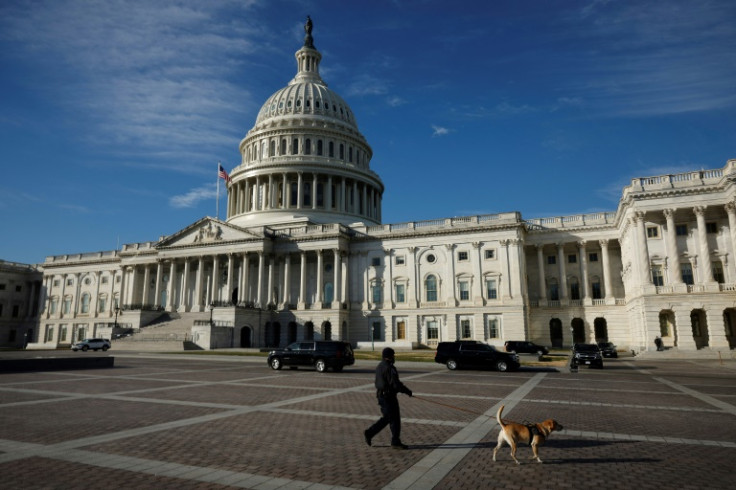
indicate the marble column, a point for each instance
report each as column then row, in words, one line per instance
column 540, row 265
column 706, row 274
column 673, row 256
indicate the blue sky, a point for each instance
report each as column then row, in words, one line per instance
column 114, row 114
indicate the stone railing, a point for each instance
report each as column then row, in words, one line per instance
column 573, row 221
column 464, row 221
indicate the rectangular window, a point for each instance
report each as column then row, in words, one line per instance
column 657, row 278
column 400, row 293
column 104, row 280
column 491, row 290
column 465, row 329
column 401, row 330
column 490, row 254
column 572, row 259
column 376, row 261
column 2, row 287
column 461, row 256
column 493, row 328
column 18, row 289
column 596, row 290
column 62, row 333
column 49, row 333
column 551, row 260
column 464, row 288
column 593, row 257
column 681, row 230
column 68, row 282
column 554, row 292
column 376, row 293
column 652, row 232
column 376, row 330
column 67, row 306
column 718, row 273
column 400, row 260
column 574, row 291
column 433, row 332
column 52, row 306
column 56, row 283
column 102, row 304
column 687, row 274
column 711, row 227
column 16, row 311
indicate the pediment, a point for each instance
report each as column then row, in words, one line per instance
column 206, row 231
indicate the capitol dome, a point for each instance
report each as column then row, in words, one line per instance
column 305, row 159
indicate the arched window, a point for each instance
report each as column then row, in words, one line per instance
column 319, row 147
column 331, row 149
column 307, row 194
column 272, row 153
column 294, row 146
column 342, row 151
column 308, row 146
column 283, row 146
column 430, row 287
column 350, row 154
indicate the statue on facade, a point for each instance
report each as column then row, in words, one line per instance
column 308, row 41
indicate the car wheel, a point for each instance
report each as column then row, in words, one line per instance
column 275, row 363
column 320, row 365
column 85, row 348
column 502, row 366
column 105, row 348
column 451, row 364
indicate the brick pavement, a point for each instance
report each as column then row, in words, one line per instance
column 174, row 422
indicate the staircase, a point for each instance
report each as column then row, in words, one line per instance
column 169, row 332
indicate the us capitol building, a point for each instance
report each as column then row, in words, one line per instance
column 304, row 254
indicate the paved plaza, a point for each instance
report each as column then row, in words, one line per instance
column 184, row 422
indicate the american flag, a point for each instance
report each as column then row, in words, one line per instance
column 222, row 174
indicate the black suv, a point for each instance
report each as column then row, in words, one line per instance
column 474, row 354
column 587, row 354
column 525, row 347
column 608, row 349
column 320, row 354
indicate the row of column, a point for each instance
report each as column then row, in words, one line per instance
column 583, row 262
column 49, row 293
column 274, row 192
column 208, row 289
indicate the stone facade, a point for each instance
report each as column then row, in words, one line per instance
column 303, row 254
column 20, row 287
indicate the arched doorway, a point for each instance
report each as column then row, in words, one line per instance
column 667, row 330
column 555, row 332
column 699, row 325
column 729, row 324
column 246, row 339
column 327, row 329
column 578, row 330
column 292, row 332
column 600, row 326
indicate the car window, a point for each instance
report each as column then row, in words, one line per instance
column 293, row 346
column 306, row 346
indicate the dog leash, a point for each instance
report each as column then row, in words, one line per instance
column 450, row 406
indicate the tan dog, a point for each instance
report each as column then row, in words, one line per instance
column 514, row 433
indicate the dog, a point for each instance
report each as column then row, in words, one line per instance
column 514, row 433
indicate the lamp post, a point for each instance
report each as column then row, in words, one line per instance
column 118, row 311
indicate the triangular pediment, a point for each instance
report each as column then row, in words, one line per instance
column 207, row 231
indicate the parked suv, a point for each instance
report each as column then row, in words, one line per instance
column 94, row 344
column 588, row 354
column 608, row 349
column 474, row 354
column 525, row 347
column 320, row 354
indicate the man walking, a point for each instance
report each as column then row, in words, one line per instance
column 388, row 387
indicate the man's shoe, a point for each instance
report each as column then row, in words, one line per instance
column 400, row 445
column 367, row 437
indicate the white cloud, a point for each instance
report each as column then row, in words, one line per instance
column 194, row 196
column 439, row 131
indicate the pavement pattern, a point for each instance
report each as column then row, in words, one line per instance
column 181, row 422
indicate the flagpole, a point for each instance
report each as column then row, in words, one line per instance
column 217, row 206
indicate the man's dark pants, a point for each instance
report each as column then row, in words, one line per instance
column 391, row 417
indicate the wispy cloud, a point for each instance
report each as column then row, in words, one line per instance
column 395, row 101
column 439, row 130
column 194, row 196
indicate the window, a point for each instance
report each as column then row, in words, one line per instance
column 491, row 290
column 307, row 194
column 102, row 304
column 19, row 287
column 711, row 227
column 493, row 328
column 376, row 261
column 56, row 283
column 308, row 147
column 319, row 147
column 376, row 292
column 596, row 286
column 593, row 257
column 433, row 332
column 465, row 329
column 718, row 273
column 461, row 256
column 16, row 311
column 49, row 333
column 400, row 293
column 53, row 306
column 652, row 232
column 85, row 303
column 681, row 230
column 400, row 260
column 67, row 305
column 431, row 288
column 574, row 289
column 464, row 288
column 331, row 149
column 342, row 151
column 572, row 259
column 272, row 149
column 104, row 280
column 376, row 330
column 400, row 330
column 431, row 258
column 554, row 291
column 687, row 274
column 283, row 146
column 294, row 146
column 551, row 260
column 490, row 254
column 657, row 278
column 68, row 282
column 62, row 333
